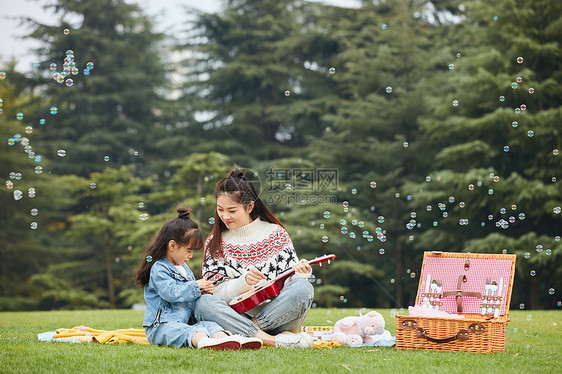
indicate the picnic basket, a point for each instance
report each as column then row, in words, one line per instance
column 473, row 285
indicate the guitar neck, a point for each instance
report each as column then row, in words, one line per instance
column 287, row 273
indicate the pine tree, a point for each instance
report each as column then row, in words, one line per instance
column 495, row 184
column 108, row 66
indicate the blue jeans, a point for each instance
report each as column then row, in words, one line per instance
column 285, row 312
column 178, row 334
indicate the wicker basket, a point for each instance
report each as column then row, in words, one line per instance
column 465, row 284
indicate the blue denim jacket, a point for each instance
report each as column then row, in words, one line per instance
column 169, row 296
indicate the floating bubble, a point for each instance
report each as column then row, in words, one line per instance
column 343, row 222
column 462, row 204
column 106, row 158
column 533, row 273
column 555, row 152
column 345, row 203
column 428, row 208
column 514, row 85
column 551, row 291
column 392, row 280
column 519, row 60
column 287, row 93
column 412, row 275
column 321, row 226
column 69, row 82
column 324, row 239
column 86, row 71
column 506, row 148
column 143, row 216
column 388, row 89
column 455, row 103
column 521, row 216
column 33, row 225
column 471, row 187
column 556, row 210
column 326, row 214
column 539, row 248
column 141, row 205
column 2, row 75
column 9, row 185
column 381, row 219
column 490, row 191
column 312, row 278
column 354, row 191
column 19, row 116
column 451, row 66
column 458, row 55
column 70, row 52
column 11, row 141
column 18, row 195
column 495, row 18
column 38, row 170
column 75, row 71
column 54, row 110
column 435, row 223
column 211, row 221
column 531, row 90
column 361, row 224
column 553, row 179
column 66, row 31
column 530, row 133
column 381, row 251
column 93, row 185
column 332, row 70
column 502, row 98
column 521, row 306
column 384, row 26
column 557, row 238
column 428, row 179
column 148, row 258
column 502, row 210
column 34, row 212
column 53, row 66
column 352, row 235
column 61, row 153
column 405, row 144
column 523, row 107
column 31, row 192
column 42, row 121
column 451, row 199
column 527, row 255
column 548, row 252
column 38, row 158
column 344, row 230
column 373, row 184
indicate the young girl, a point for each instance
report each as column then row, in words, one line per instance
column 170, row 291
column 249, row 244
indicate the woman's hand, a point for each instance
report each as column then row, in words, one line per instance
column 302, row 267
column 205, row 286
column 254, row 276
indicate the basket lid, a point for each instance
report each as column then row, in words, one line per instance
column 467, row 283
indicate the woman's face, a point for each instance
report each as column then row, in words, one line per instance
column 233, row 214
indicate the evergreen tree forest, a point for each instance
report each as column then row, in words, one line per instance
column 374, row 133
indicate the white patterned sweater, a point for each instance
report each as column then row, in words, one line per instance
column 265, row 245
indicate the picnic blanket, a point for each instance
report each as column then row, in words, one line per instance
column 87, row 334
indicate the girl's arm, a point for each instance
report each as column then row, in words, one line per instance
column 173, row 290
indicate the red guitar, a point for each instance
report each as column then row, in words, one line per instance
column 249, row 299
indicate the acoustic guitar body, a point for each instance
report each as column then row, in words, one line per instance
column 250, row 299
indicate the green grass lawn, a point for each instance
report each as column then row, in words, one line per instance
column 533, row 345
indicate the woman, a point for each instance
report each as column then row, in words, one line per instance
column 249, row 245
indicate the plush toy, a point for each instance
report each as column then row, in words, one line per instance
column 358, row 330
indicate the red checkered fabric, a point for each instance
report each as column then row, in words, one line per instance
column 448, row 270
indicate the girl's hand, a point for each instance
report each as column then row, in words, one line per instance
column 205, row 286
column 254, row 276
column 302, row 267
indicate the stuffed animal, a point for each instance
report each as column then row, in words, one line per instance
column 358, row 330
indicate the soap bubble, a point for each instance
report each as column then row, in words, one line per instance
column 34, row 211
column 530, row 133
column 388, row 89
column 312, row 278
column 381, row 219
column 61, row 153
column 54, row 110
column 527, row 255
column 38, row 170
column 2, row 75
column 148, row 258
column 332, row 70
column 344, row 230
column 325, row 239
column 455, row 103
column 106, row 158
column 502, row 98
column 326, row 214
column 18, row 195
column 141, row 205
column 519, row 60
column 451, row 66
column 143, row 216
column 69, row 82
column 531, row 90
column 9, row 185
column 287, row 93
column 514, row 85
column 521, row 306
column 555, row 152
column 93, row 185
column 533, row 273
column 66, row 31
column 521, row 216
column 539, row 248
column 33, row 225
column 384, row 26
column 381, row 251
column 412, row 275
column 31, row 192
column 557, row 210
column 523, row 107
column 354, row 191
column 211, row 221
column 458, row 55
column 551, row 291
column 53, row 66
column 373, row 184
column 90, row 65
column 19, row 116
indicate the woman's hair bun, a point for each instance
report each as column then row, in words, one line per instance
column 237, row 173
column 183, row 213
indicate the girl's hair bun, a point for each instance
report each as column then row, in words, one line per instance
column 183, row 213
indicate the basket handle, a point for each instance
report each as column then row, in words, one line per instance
column 460, row 335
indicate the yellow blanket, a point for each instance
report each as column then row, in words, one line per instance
column 87, row 334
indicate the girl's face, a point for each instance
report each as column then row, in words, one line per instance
column 233, row 214
column 178, row 254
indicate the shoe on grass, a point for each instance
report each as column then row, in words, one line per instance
column 219, row 344
column 248, row 343
column 289, row 340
